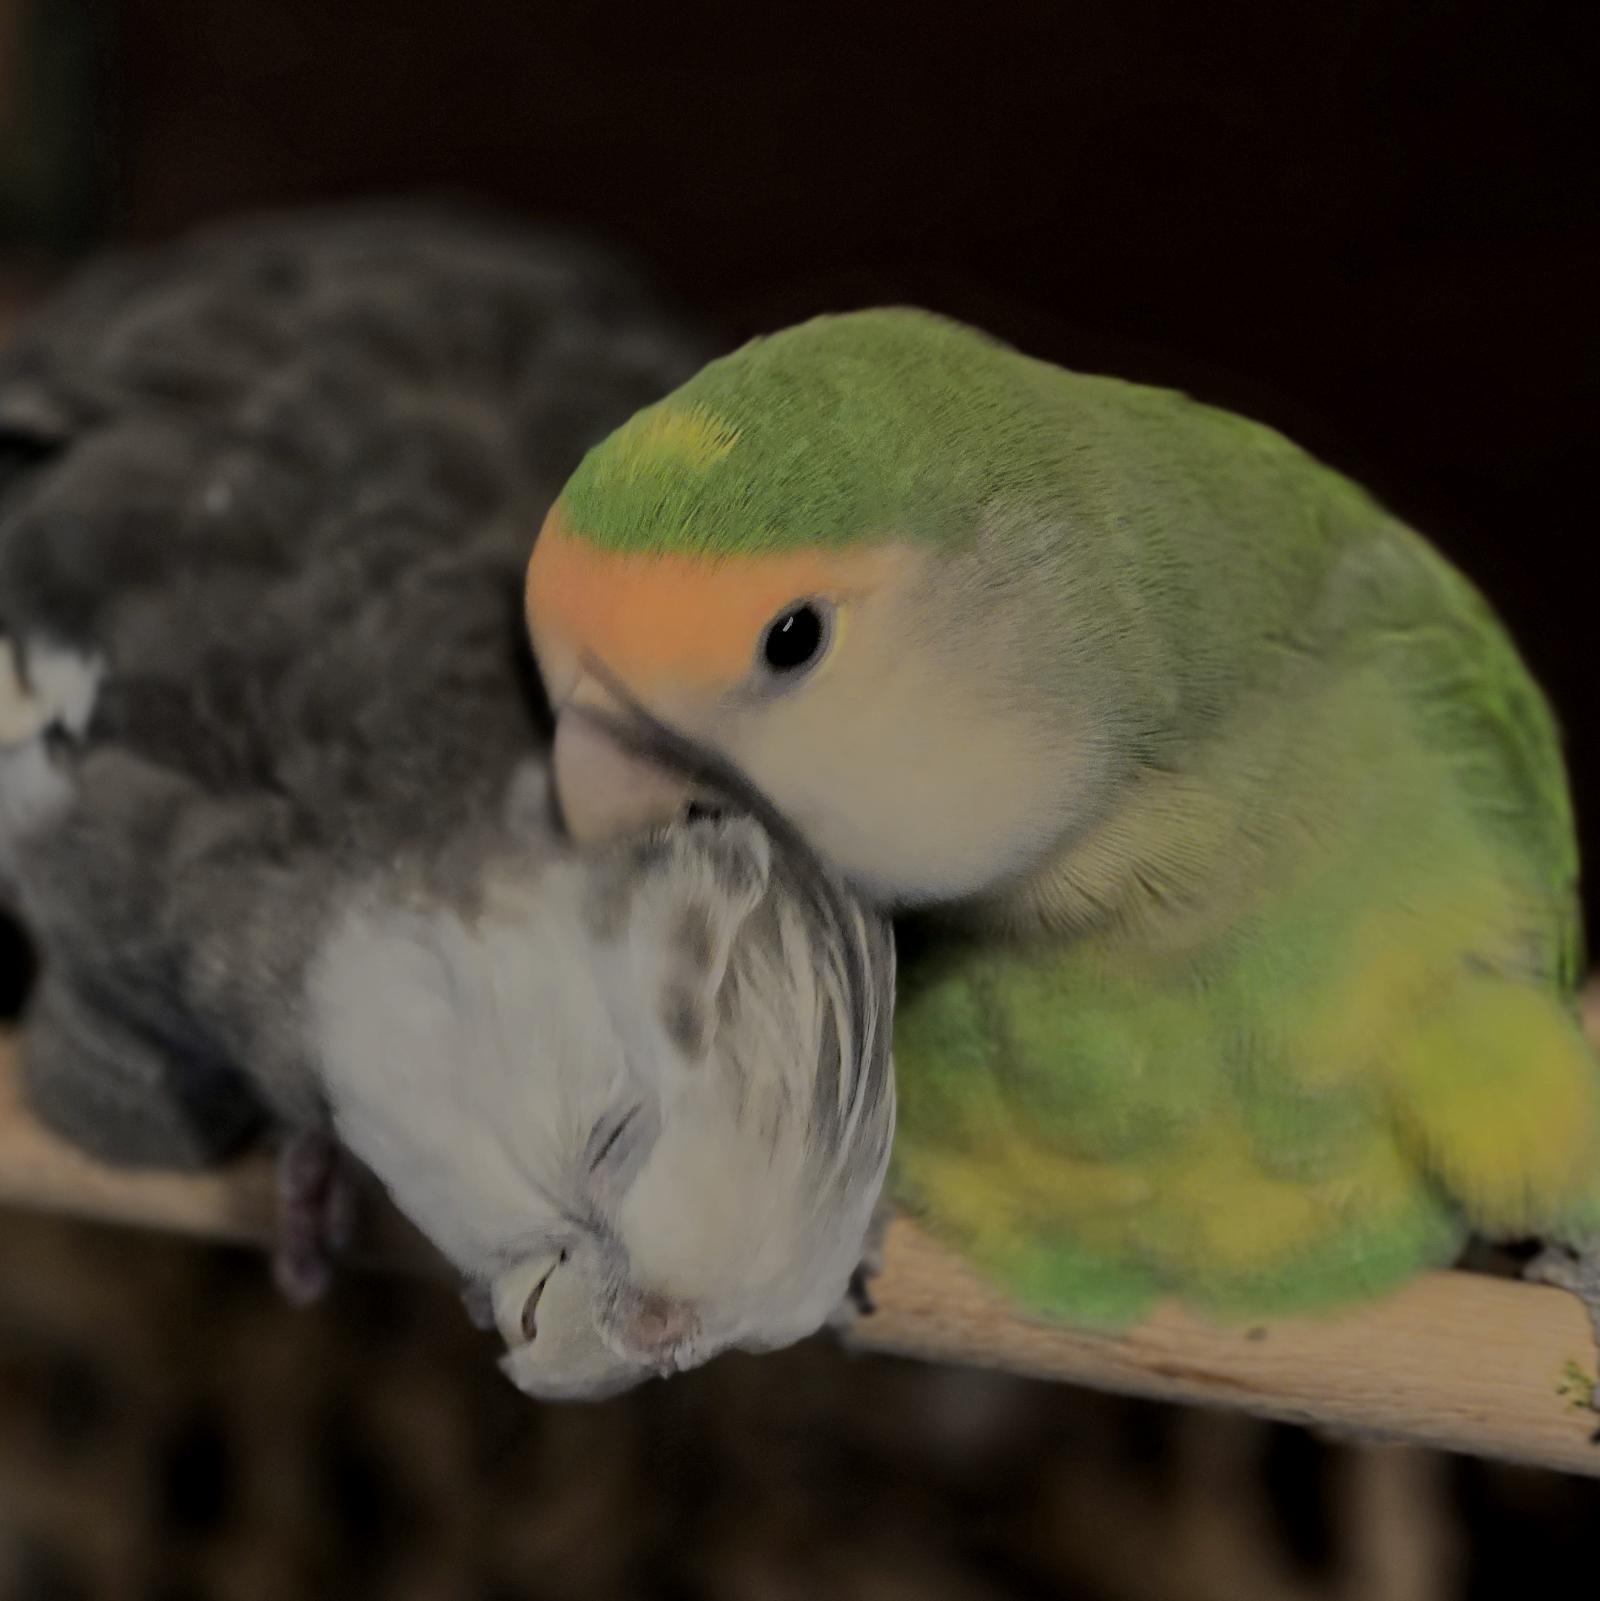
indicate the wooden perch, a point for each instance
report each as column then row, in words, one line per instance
column 1460, row 1361
column 236, row 1203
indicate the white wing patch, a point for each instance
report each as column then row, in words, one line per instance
column 41, row 687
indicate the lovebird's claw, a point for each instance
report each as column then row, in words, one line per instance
column 1575, row 1269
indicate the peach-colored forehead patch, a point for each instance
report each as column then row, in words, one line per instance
column 689, row 620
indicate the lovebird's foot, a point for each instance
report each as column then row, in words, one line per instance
column 479, row 1302
column 316, row 1215
column 1575, row 1269
column 857, row 1302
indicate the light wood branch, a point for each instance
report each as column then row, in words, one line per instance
column 1461, row 1361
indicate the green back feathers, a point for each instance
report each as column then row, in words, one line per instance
column 839, row 430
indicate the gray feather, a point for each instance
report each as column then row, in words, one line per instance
column 282, row 480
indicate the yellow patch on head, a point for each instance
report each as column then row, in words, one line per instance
column 673, row 619
column 1499, row 1088
column 692, row 437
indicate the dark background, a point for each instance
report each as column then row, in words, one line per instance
column 1374, row 225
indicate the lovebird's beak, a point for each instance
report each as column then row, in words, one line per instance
column 604, row 790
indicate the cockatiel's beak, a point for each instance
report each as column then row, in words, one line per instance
column 605, row 790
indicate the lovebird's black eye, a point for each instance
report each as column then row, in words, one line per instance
column 796, row 637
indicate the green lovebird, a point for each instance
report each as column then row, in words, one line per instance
column 1236, row 834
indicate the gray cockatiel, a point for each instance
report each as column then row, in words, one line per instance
column 273, row 801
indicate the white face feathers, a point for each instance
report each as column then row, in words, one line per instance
column 642, row 1101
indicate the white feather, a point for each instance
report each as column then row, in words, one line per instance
column 474, row 1063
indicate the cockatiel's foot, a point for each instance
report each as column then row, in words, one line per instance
column 1575, row 1269
column 316, row 1215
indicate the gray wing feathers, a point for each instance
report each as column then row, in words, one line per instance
column 281, row 481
